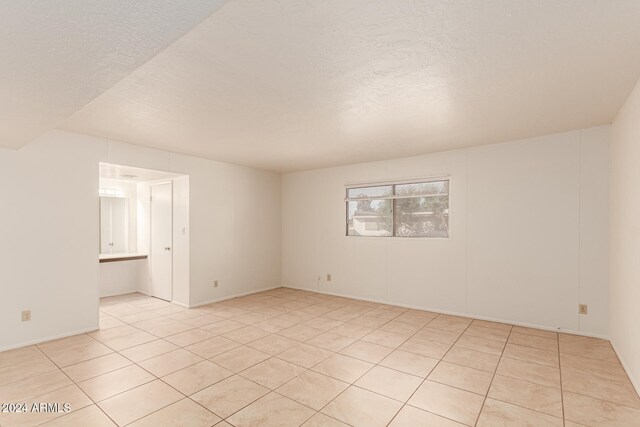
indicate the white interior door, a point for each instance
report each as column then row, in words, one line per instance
column 161, row 258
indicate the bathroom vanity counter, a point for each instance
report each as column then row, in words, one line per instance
column 121, row 257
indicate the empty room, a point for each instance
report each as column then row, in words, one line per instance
column 329, row 213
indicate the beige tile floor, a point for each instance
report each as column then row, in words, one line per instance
column 288, row 358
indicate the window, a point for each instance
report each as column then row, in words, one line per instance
column 416, row 209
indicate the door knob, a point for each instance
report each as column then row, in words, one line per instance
column 167, row 248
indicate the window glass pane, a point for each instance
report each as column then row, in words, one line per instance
column 369, row 217
column 380, row 191
column 422, row 216
column 423, row 188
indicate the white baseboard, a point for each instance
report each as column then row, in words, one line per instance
column 452, row 313
column 55, row 337
column 634, row 381
column 200, row 304
column 181, row 304
column 115, row 294
column 50, row 338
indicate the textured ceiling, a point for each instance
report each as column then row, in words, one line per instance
column 58, row 55
column 290, row 85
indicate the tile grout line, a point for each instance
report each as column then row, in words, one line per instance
column 169, row 385
column 493, row 378
column 275, row 356
column 377, row 364
column 307, row 369
column 352, row 384
column 238, row 373
column 303, row 305
column 93, row 402
column 429, row 373
column 133, row 388
column 564, row 420
column 164, row 338
column 152, row 374
column 186, row 367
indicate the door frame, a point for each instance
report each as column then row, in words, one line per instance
column 170, row 182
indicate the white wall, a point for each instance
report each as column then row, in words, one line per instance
column 525, row 230
column 625, row 235
column 49, row 217
column 235, row 220
column 181, row 240
column 123, row 277
column 594, row 230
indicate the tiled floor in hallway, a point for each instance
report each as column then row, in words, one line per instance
column 288, row 358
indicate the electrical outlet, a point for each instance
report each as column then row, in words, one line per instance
column 583, row 309
column 215, row 283
column 26, row 315
column 328, row 277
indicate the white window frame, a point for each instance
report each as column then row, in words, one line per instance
column 393, row 197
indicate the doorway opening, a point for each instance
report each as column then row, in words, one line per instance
column 144, row 233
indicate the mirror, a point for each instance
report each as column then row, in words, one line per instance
column 114, row 225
